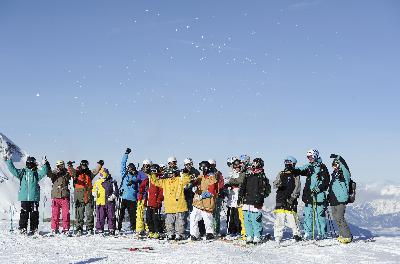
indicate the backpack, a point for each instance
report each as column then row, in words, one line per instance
column 352, row 191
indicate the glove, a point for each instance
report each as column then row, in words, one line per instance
column 128, row 150
column 100, row 162
column 206, row 195
column 315, row 190
column 333, row 156
column 112, row 198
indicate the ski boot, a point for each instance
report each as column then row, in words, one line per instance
column 209, row 236
column 171, row 237
column 297, row 238
column 78, row 233
column 22, row 231
column 90, row 232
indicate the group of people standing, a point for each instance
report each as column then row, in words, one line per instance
column 163, row 199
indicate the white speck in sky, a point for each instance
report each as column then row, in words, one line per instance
column 253, row 32
column 176, row 30
column 147, row 10
column 75, row 97
column 187, row 27
column 202, row 36
column 37, row 95
column 196, row 18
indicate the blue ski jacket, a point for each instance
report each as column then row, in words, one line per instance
column 130, row 183
column 339, row 185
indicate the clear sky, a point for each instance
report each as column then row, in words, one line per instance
column 204, row 79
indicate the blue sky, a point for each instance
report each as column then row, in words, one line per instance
column 202, row 79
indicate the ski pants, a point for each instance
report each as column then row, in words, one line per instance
column 243, row 227
column 80, row 208
column 195, row 216
column 153, row 219
column 253, row 225
column 292, row 221
column 217, row 215
column 312, row 223
column 338, row 215
column 140, row 224
column 233, row 221
column 29, row 210
column 103, row 212
column 57, row 205
column 175, row 224
column 131, row 207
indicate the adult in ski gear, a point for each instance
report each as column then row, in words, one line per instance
column 29, row 191
column 220, row 196
column 288, row 186
column 60, row 196
column 204, row 201
column 194, row 173
column 140, row 215
column 153, row 198
column 82, row 177
column 173, row 183
column 254, row 189
column 236, row 176
column 128, row 192
column 314, row 195
column 339, row 195
column 105, row 192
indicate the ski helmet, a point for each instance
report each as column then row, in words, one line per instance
column 132, row 166
column 313, row 153
column 230, row 160
column 172, row 159
column 204, row 166
column 162, row 166
column 212, row 162
column 84, row 163
column 290, row 160
column 188, row 161
column 60, row 163
column 147, row 162
column 30, row 162
column 155, row 168
column 258, row 163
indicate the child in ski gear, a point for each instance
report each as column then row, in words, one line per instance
column 314, row 196
column 29, row 191
column 82, row 177
column 236, row 176
column 128, row 192
column 143, row 174
column 153, row 198
column 105, row 192
column 219, row 198
column 288, row 186
column 339, row 195
column 60, row 197
column 204, row 201
column 254, row 189
column 173, row 184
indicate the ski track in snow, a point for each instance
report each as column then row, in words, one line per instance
column 15, row 248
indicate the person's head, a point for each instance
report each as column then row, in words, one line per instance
column 237, row 165
column 31, row 163
column 204, row 167
column 335, row 165
column 131, row 169
column 172, row 162
column 60, row 164
column 312, row 155
column 230, row 161
column 213, row 163
column 155, row 168
column 84, row 164
column 188, row 163
column 162, row 167
column 290, row 162
column 258, row 163
column 146, row 165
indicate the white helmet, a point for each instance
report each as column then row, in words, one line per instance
column 212, row 161
column 313, row 153
column 162, row 165
column 147, row 162
column 171, row 159
column 188, row 161
column 60, row 162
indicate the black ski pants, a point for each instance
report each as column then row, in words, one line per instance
column 131, row 207
column 29, row 210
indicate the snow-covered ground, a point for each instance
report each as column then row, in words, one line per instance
column 20, row 249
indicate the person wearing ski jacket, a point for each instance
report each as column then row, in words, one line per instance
column 29, row 191
column 254, row 189
column 105, row 192
column 236, row 177
column 82, row 178
column 220, row 197
column 153, row 198
column 204, row 201
column 143, row 174
column 194, row 174
column 288, row 186
column 128, row 192
column 339, row 196
column 173, row 183
column 314, row 195
column 60, row 196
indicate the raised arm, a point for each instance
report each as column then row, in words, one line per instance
column 96, row 170
column 14, row 171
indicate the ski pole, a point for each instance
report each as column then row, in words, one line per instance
column 11, row 219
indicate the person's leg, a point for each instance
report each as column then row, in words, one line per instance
column 150, row 220
column 90, row 216
column 247, row 221
column 100, row 213
column 111, row 216
column 195, row 217
column 321, row 221
column 55, row 214
column 170, row 224
column 208, row 221
column 243, row 227
column 65, row 214
column 217, row 216
column 338, row 214
column 293, row 223
column 279, row 225
column 309, row 222
column 121, row 216
column 34, row 216
column 180, row 224
column 256, row 222
column 140, row 217
column 79, row 214
column 24, row 216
